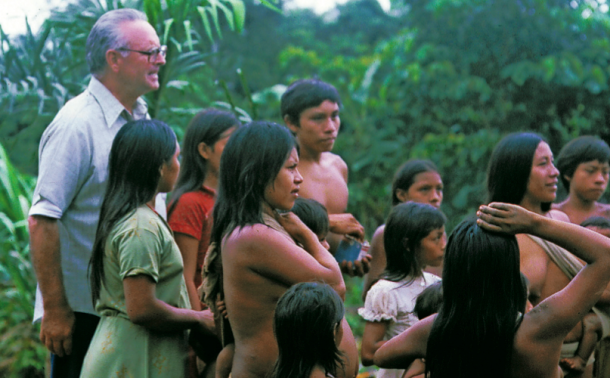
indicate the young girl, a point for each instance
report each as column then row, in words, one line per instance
column 484, row 301
column 136, row 268
column 189, row 213
column 307, row 327
column 414, row 238
column 415, row 180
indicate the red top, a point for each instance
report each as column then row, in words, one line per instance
column 193, row 216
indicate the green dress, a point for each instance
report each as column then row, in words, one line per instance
column 142, row 243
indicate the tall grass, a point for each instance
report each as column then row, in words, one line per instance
column 21, row 353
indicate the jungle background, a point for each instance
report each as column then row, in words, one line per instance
column 436, row 79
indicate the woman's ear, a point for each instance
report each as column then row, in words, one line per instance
column 405, row 243
column 204, row 150
column 402, row 195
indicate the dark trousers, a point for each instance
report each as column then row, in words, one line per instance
column 70, row 366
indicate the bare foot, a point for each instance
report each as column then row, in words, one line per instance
column 576, row 364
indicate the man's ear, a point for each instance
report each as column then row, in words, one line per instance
column 204, row 150
column 568, row 178
column 290, row 124
column 402, row 195
column 113, row 58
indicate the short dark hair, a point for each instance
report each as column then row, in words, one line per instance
column 580, row 150
column 313, row 214
column 304, row 94
column 305, row 321
column 429, row 301
column 410, row 221
column 405, row 175
column 599, row 222
column 510, row 167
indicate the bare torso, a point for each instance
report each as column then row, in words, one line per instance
column 250, row 300
column 258, row 267
column 577, row 215
column 326, row 182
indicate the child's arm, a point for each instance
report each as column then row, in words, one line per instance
column 188, row 246
column 372, row 339
column 416, row 370
column 592, row 332
column 224, row 362
column 400, row 351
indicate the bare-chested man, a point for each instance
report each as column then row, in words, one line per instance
column 310, row 109
column 521, row 171
column 584, row 168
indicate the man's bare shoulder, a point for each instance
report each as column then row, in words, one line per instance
column 333, row 161
column 603, row 210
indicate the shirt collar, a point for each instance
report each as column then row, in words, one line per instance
column 111, row 107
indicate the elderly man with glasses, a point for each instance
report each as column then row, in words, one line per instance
column 124, row 57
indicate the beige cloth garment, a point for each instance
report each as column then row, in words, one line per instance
column 570, row 266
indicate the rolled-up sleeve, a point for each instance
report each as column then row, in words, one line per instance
column 64, row 165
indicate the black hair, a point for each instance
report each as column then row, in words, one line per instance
column 580, row 150
column 138, row 151
column 429, row 301
column 207, row 127
column 599, row 222
column 249, row 163
column 304, row 94
column 306, row 319
column 510, row 167
column 483, row 295
column 313, row 214
column 406, row 226
column 405, row 176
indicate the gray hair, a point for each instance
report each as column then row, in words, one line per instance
column 105, row 35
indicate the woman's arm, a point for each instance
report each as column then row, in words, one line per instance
column 372, row 339
column 400, row 351
column 554, row 317
column 189, row 247
column 273, row 255
column 144, row 309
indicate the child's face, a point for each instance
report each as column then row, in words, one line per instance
column 590, row 179
column 432, row 248
column 603, row 231
column 322, row 239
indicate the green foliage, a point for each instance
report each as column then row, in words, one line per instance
column 19, row 346
column 40, row 72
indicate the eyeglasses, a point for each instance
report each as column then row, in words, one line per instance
column 152, row 54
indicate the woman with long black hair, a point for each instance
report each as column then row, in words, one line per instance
column 136, row 268
column 256, row 257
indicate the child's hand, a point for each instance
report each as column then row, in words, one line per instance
column 506, row 218
column 294, row 226
column 221, row 307
column 359, row 267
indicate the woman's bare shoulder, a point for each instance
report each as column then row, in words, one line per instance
column 254, row 235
